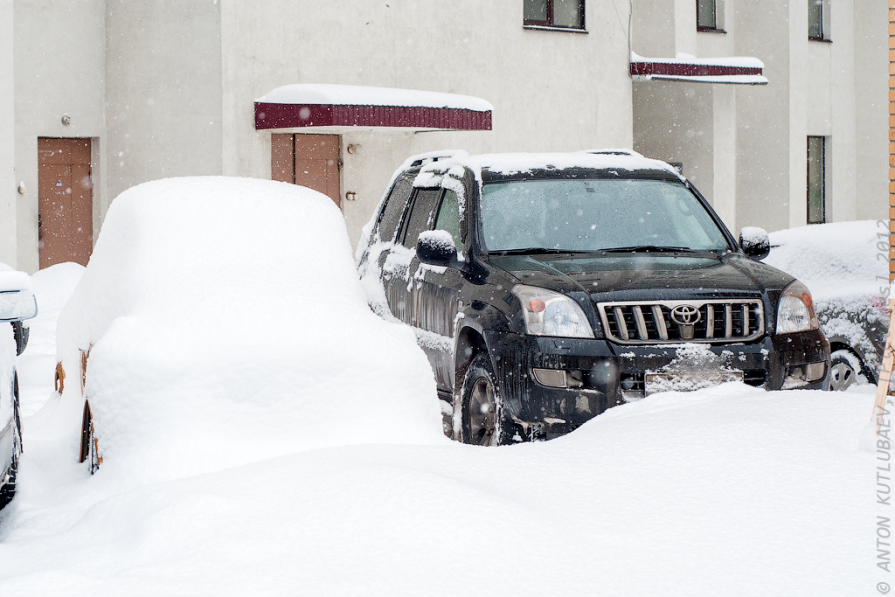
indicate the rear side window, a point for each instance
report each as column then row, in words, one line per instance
column 449, row 217
column 394, row 209
column 422, row 215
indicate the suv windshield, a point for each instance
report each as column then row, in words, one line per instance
column 596, row 215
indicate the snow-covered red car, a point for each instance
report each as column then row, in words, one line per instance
column 221, row 321
column 845, row 265
column 17, row 304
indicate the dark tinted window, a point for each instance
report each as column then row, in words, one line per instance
column 554, row 13
column 705, row 14
column 394, row 209
column 816, row 190
column 816, row 19
column 422, row 215
column 449, row 217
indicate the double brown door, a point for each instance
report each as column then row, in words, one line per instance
column 65, row 201
column 308, row 160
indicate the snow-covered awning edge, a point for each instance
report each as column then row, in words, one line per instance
column 316, row 105
column 735, row 70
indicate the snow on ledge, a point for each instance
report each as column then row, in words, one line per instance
column 354, row 95
column 736, row 70
column 322, row 105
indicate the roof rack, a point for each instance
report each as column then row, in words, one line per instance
column 435, row 156
column 628, row 152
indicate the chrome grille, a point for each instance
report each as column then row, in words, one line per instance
column 659, row 322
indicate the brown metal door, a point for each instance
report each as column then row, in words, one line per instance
column 317, row 164
column 282, row 158
column 65, row 201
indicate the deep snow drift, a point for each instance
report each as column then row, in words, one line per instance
column 37, row 365
column 228, row 325
column 726, row 491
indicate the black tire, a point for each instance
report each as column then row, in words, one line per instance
column 482, row 418
column 845, row 370
column 88, row 440
column 8, row 491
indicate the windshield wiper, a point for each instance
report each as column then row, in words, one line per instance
column 531, row 251
column 652, row 249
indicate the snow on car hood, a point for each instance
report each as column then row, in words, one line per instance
column 228, row 325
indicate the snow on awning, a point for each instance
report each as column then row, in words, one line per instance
column 308, row 105
column 737, row 70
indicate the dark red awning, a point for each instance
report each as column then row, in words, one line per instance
column 306, row 105
column 735, row 70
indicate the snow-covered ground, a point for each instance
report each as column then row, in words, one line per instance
column 725, row 491
column 730, row 491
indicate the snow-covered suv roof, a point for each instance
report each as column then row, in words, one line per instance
column 441, row 162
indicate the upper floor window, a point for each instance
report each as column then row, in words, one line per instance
column 562, row 14
column 817, row 188
column 818, row 20
column 708, row 16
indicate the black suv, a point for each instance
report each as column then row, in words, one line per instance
column 546, row 288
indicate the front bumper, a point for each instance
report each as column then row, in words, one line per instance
column 600, row 374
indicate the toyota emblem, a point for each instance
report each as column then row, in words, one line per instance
column 685, row 315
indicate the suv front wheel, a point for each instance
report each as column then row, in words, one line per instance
column 483, row 422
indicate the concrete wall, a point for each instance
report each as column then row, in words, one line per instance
column 8, row 194
column 762, row 118
column 674, row 123
column 871, row 109
column 551, row 91
column 163, row 99
column 59, row 69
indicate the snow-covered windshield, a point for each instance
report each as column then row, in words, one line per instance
column 595, row 215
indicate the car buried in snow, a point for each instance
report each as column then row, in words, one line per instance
column 17, row 304
column 845, row 264
column 547, row 288
column 219, row 322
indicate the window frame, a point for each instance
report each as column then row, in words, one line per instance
column 718, row 25
column 824, row 22
column 549, row 23
column 430, row 202
column 823, row 180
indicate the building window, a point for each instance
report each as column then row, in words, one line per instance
column 560, row 14
column 706, row 15
column 817, row 195
column 818, row 20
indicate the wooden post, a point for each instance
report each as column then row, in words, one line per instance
column 885, row 374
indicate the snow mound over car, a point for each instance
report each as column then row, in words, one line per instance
column 834, row 259
column 228, row 325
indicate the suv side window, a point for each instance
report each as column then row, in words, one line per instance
column 421, row 215
column 394, row 209
column 449, row 217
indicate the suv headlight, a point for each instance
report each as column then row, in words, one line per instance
column 795, row 313
column 549, row 313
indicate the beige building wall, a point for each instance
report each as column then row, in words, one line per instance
column 551, row 91
column 691, row 123
column 167, row 88
column 8, row 193
column 59, row 69
column 164, row 110
column 871, row 113
column 746, row 147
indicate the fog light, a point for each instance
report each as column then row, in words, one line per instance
column 554, row 378
column 815, row 371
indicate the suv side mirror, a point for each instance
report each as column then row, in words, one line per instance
column 436, row 247
column 755, row 242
